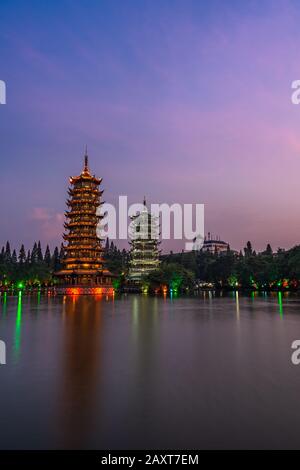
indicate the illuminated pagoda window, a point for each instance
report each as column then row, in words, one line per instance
column 83, row 263
column 144, row 252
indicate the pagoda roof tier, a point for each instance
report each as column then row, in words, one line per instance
column 85, row 177
column 93, row 251
column 68, row 236
column 81, row 202
column 83, row 218
column 137, row 243
column 83, row 260
column 91, row 255
column 79, row 271
column 83, row 233
column 81, row 223
column 135, row 254
column 65, row 271
column 84, row 247
column 79, row 219
column 84, row 266
column 79, row 253
column 85, row 200
column 75, row 243
column 80, row 191
column 83, row 212
column 78, row 245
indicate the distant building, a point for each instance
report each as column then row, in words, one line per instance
column 144, row 253
column 214, row 245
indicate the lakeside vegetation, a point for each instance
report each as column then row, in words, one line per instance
column 244, row 270
column 178, row 271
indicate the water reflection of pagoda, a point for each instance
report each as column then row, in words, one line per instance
column 83, row 266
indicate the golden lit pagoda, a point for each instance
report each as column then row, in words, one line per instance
column 83, row 265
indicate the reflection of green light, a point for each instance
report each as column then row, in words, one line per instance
column 280, row 304
column 18, row 325
column 39, row 296
column 4, row 303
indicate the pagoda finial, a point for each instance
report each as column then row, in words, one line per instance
column 86, row 161
column 145, row 201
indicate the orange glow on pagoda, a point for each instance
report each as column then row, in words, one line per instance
column 83, row 266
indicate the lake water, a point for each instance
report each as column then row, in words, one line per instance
column 150, row 372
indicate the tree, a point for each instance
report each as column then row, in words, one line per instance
column 172, row 275
column 55, row 264
column 47, row 257
column 62, row 252
column 248, row 249
column 7, row 255
column 2, row 255
column 34, row 254
column 22, row 255
column 14, row 259
column 269, row 250
column 39, row 254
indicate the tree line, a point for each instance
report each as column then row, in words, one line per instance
column 36, row 267
column 178, row 271
column 247, row 269
column 32, row 268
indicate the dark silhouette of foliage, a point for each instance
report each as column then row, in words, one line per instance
column 247, row 270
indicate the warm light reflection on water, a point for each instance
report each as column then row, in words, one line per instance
column 81, row 360
column 237, row 305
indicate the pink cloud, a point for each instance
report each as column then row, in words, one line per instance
column 50, row 223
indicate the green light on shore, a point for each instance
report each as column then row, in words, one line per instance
column 20, row 285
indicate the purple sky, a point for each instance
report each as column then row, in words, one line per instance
column 183, row 101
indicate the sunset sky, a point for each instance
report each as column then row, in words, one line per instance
column 183, row 101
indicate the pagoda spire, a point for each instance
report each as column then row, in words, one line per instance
column 144, row 202
column 86, row 161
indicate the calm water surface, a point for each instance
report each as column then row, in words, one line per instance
column 145, row 372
